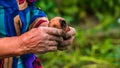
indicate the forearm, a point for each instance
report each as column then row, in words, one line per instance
column 10, row 46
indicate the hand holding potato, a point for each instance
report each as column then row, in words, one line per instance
column 69, row 32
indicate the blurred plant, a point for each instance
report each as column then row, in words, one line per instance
column 75, row 10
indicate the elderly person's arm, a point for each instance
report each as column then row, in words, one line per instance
column 9, row 46
column 37, row 40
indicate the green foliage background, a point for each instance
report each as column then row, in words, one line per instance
column 97, row 41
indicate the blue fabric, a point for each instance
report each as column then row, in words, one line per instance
column 23, row 18
column 28, row 60
column 2, row 27
column 20, row 64
column 36, row 13
column 9, row 23
column 8, row 11
column 8, row 3
column 15, row 61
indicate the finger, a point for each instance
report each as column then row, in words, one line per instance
column 49, row 46
column 49, row 43
column 47, row 49
column 54, row 31
column 70, row 33
column 41, row 51
column 52, row 48
column 67, row 42
column 64, row 45
column 62, row 48
column 55, row 38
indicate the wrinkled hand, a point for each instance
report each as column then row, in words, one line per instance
column 68, row 40
column 42, row 39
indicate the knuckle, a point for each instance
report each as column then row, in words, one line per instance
column 73, row 31
column 47, row 43
column 50, row 37
column 54, row 49
column 43, row 29
column 58, row 31
column 61, row 32
column 54, row 43
column 45, row 36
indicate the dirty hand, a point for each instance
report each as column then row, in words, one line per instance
column 69, row 37
column 43, row 39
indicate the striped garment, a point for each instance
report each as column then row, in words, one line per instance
column 17, row 17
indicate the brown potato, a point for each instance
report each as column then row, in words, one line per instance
column 60, row 23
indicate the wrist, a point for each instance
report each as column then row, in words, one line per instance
column 22, row 46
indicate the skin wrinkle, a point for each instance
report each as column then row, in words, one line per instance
column 28, row 48
column 29, row 36
column 34, row 39
column 27, row 39
column 51, row 37
column 54, row 38
column 20, row 47
column 25, row 49
column 51, row 43
column 46, row 43
column 32, row 36
column 54, row 31
column 42, row 49
column 52, row 49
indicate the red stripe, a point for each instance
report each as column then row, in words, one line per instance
column 37, row 64
column 21, row 1
column 39, row 22
column 40, row 66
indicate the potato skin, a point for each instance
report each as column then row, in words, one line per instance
column 60, row 23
